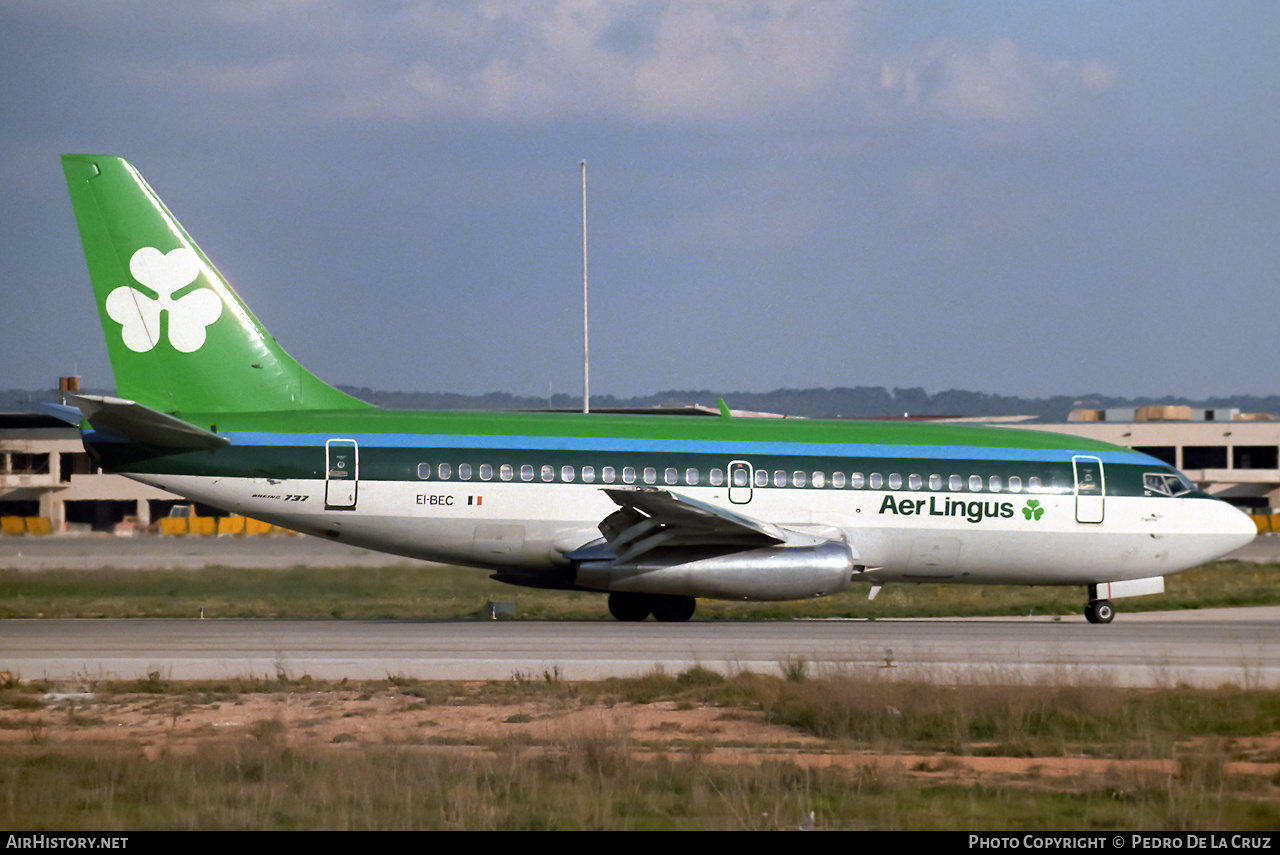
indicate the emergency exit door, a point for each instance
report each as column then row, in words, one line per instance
column 740, row 476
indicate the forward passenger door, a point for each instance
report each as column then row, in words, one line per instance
column 1091, row 490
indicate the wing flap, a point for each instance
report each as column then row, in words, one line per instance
column 649, row 518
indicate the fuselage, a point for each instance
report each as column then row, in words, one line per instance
column 518, row 493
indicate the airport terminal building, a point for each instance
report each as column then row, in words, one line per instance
column 1233, row 455
column 48, row 481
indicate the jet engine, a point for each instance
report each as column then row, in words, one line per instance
column 768, row 573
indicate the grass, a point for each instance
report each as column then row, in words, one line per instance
column 453, row 593
column 605, row 776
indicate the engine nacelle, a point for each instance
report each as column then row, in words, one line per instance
column 768, row 573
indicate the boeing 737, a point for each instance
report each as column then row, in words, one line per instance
column 652, row 510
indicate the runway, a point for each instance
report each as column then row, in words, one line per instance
column 1205, row 648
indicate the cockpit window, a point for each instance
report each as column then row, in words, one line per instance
column 1166, row 483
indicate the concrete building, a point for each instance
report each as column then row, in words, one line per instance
column 45, row 473
column 1232, row 455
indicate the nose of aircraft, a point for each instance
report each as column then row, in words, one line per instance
column 1231, row 529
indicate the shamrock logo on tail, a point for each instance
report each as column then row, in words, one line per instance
column 138, row 313
column 1033, row 511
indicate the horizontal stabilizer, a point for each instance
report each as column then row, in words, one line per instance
column 131, row 421
column 63, row 413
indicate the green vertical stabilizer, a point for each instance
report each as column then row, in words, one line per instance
column 179, row 338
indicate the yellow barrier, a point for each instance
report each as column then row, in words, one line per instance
column 26, row 525
column 233, row 524
column 173, row 525
column 202, row 525
column 252, row 526
column 1266, row 523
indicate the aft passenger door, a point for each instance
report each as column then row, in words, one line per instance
column 342, row 474
column 1091, row 489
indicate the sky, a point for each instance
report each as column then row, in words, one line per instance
column 1028, row 198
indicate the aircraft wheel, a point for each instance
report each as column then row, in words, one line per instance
column 674, row 609
column 1100, row 611
column 629, row 607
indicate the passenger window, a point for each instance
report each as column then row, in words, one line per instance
column 856, row 480
column 444, row 470
column 797, row 479
column 762, row 478
column 526, row 472
column 875, row 480
column 505, row 472
column 486, row 472
column 1015, row 484
column 739, row 477
column 548, row 472
column 650, row 474
column 819, row 480
column 895, row 481
column 671, row 476
column 915, row 482
column 1034, row 485
column 628, row 475
column 837, row 480
column 691, row 477
column 935, row 482
column 424, row 471
column 975, row 483
column 608, row 475
column 588, row 474
column 779, row 478
column 464, row 471
column 566, row 474
column 716, row 477
column 994, row 484
column 955, row 483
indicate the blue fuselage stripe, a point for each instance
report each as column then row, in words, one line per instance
column 680, row 446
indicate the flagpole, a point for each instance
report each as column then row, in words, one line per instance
column 586, row 364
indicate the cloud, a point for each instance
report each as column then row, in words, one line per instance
column 537, row 61
column 637, row 61
column 999, row 85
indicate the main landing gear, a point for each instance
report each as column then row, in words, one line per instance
column 630, row 607
column 1098, row 611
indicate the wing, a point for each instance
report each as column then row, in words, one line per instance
column 649, row 518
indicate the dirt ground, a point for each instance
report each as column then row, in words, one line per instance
column 348, row 718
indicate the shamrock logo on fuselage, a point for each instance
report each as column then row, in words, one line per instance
column 1033, row 511
column 165, row 274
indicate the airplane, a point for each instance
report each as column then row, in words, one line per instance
column 653, row 510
